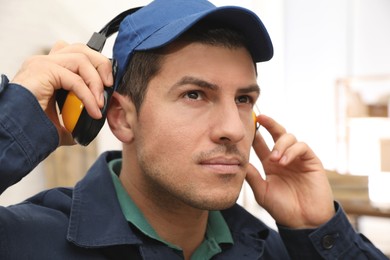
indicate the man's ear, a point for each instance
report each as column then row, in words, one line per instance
column 121, row 117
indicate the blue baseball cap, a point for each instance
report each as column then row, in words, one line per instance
column 162, row 21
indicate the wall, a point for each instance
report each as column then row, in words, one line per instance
column 326, row 40
column 370, row 37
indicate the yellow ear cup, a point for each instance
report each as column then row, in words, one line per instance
column 71, row 111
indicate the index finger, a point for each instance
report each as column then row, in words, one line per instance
column 275, row 129
column 99, row 61
column 260, row 147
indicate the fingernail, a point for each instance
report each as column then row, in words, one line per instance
column 101, row 99
column 99, row 113
column 283, row 160
column 110, row 79
column 275, row 153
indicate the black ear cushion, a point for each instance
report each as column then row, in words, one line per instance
column 87, row 128
column 61, row 97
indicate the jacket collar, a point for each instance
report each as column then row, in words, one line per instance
column 96, row 219
column 249, row 233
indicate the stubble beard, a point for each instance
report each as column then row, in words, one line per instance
column 163, row 189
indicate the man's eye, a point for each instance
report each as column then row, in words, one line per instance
column 244, row 99
column 193, row 95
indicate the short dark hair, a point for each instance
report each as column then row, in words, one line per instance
column 144, row 65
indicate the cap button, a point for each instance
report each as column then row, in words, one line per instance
column 328, row 241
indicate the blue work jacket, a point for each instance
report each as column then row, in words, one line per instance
column 86, row 222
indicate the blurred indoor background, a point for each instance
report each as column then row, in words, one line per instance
column 328, row 83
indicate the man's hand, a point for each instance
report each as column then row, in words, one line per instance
column 75, row 68
column 296, row 191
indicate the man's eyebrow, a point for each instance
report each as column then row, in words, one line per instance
column 188, row 80
column 249, row 89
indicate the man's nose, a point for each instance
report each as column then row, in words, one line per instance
column 227, row 125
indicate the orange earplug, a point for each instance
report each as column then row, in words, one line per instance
column 255, row 120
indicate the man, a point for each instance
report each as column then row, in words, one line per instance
column 183, row 111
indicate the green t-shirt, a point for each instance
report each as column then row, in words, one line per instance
column 217, row 230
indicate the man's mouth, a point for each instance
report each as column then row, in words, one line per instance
column 222, row 164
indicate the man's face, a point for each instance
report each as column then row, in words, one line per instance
column 195, row 128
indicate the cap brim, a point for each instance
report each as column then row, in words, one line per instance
column 259, row 42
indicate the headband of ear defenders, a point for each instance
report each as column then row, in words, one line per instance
column 74, row 116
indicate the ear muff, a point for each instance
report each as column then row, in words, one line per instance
column 74, row 116
column 76, row 119
column 71, row 111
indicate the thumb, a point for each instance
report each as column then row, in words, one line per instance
column 58, row 46
column 257, row 183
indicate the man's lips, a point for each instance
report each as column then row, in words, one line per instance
column 222, row 165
